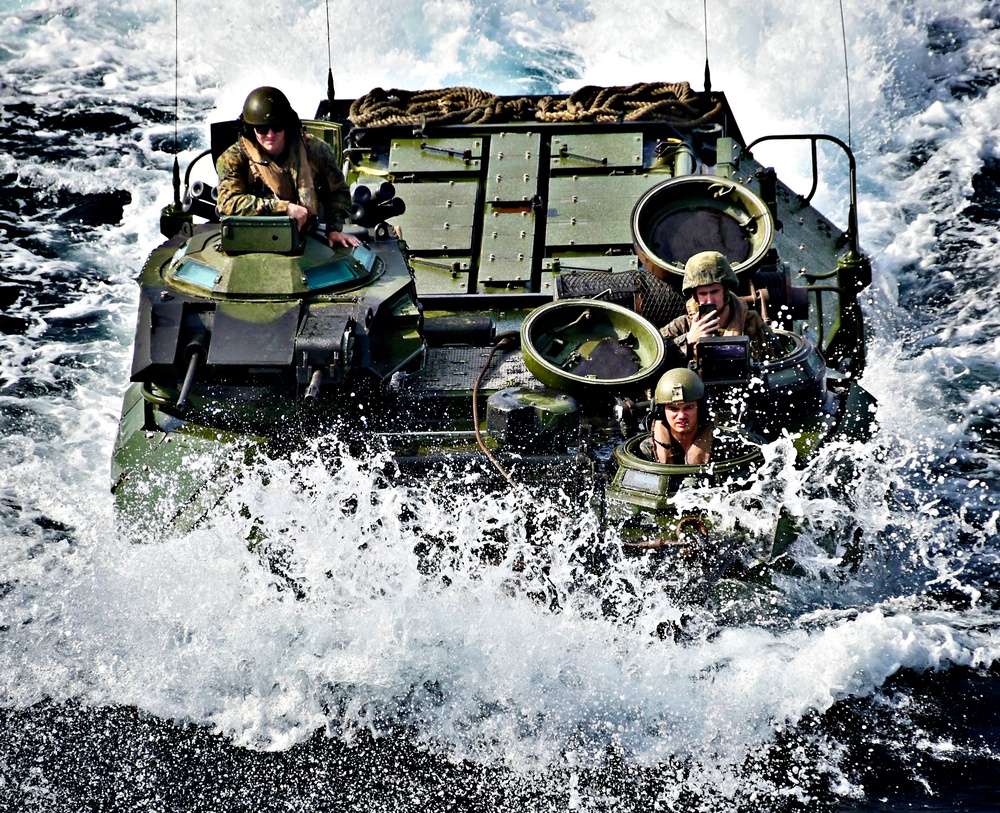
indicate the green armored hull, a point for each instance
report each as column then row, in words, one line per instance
column 518, row 259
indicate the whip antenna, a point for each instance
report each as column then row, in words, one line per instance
column 177, row 166
column 847, row 73
column 329, row 62
column 708, row 75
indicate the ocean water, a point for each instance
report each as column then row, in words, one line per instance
column 182, row 675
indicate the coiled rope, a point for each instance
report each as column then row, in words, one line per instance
column 457, row 105
column 675, row 103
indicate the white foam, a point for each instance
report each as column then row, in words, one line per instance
column 196, row 629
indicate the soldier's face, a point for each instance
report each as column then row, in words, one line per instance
column 682, row 418
column 714, row 294
column 271, row 141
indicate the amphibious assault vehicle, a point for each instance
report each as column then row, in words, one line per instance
column 519, row 257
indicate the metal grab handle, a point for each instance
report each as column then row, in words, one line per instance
column 813, row 138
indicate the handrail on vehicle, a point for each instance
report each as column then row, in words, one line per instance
column 813, row 138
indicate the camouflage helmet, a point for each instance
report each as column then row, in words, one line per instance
column 268, row 106
column 707, row 268
column 678, row 386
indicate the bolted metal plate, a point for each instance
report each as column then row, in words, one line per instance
column 273, row 234
column 439, row 215
column 509, row 223
column 441, row 275
column 594, row 210
column 435, row 155
column 596, row 150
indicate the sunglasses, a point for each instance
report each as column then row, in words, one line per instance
column 262, row 129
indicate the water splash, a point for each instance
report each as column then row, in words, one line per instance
column 328, row 598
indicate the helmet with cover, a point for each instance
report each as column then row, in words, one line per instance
column 707, row 268
column 679, row 386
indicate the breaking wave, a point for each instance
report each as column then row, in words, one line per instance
column 334, row 598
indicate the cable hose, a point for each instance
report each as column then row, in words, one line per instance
column 501, row 342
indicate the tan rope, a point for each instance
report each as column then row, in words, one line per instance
column 674, row 103
column 456, row 105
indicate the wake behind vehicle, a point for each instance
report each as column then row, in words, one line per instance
column 519, row 258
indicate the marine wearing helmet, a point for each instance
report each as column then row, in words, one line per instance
column 274, row 168
column 707, row 268
column 715, row 309
column 681, row 431
column 678, row 386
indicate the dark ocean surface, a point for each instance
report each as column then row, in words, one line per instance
column 179, row 676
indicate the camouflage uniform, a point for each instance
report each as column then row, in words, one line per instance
column 712, row 268
column 743, row 321
column 242, row 190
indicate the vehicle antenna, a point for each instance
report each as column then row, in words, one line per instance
column 177, row 166
column 708, row 75
column 329, row 58
column 847, row 73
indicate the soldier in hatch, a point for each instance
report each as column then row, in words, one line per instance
column 709, row 279
column 274, row 168
column 682, row 429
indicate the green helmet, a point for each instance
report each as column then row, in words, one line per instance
column 707, row 268
column 679, row 386
column 268, row 106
